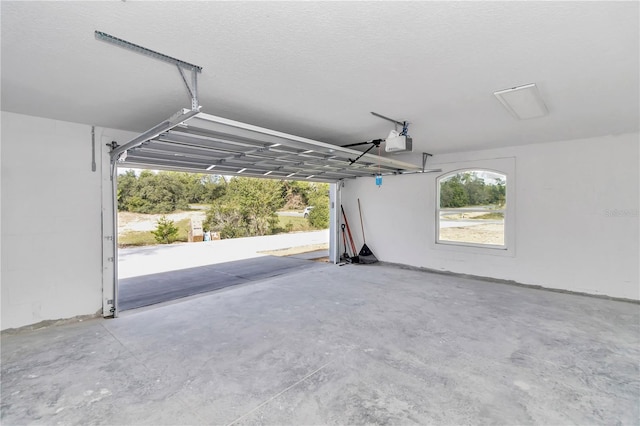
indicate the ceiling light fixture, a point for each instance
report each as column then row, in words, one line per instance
column 523, row 102
column 211, row 167
column 241, row 170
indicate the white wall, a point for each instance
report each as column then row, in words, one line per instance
column 51, row 262
column 576, row 217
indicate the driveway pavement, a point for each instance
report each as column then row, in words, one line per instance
column 145, row 290
column 466, row 223
column 139, row 261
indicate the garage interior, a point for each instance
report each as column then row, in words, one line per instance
column 541, row 329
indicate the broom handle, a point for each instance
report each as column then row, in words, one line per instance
column 344, row 241
column 364, row 239
column 346, row 222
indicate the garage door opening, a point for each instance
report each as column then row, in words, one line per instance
column 181, row 234
column 191, row 141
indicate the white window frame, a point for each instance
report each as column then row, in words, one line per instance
column 503, row 166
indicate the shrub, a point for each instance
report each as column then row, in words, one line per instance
column 319, row 216
column 166, row 232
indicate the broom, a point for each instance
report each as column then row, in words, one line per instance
column 345, row 256
column 354, row 258
column 365, row 255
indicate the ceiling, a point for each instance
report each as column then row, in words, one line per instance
column 316, row 69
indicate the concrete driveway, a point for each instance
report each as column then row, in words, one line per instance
column 139, row 261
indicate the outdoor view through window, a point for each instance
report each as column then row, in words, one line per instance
column 472, row 208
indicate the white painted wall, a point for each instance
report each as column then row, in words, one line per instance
column 51, row 257
column 576, row 217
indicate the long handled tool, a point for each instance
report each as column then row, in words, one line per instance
column 365, row 255
column 345, row 256
column 354, row 258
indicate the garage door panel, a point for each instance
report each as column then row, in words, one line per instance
column 208, row 144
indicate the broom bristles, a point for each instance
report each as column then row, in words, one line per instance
column 366, row 255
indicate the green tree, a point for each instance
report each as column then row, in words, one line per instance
column 149, row 192
column 258, row 199
column 166, row 232
column 225, row 217
column 452, row 192
column 194, row 188
column 470, row 189
column 498, row 193
column 477, row 191
column 319, row 199
column 247, row 208
column 215, row 188
column 296, row 194
column 127, row 183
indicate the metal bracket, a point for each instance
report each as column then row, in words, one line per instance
column 193, row 91
column 195, row 69
column 425, row 156
column 113, row 145
column 404, row 124
column 399, row 123
column 93, row 148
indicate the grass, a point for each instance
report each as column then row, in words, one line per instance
column 199, row 206
column 474, row 216
column 494, row 216
column 294, row 224
column 146, row 238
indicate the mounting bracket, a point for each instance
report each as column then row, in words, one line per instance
column 425, row 156
column 113, row 145
column 195, row 69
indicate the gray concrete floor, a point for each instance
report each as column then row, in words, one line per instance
column 336, row 345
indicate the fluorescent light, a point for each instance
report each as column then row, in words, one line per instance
column 268, row 173
column 309, row 177
column 290, row 174
column 241, row 170
column 211, row 167
column 308, row 151
column 274, row 145
column 523, row 102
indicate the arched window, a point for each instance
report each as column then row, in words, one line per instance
column 472, row 208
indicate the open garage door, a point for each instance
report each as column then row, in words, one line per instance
column 196, row 142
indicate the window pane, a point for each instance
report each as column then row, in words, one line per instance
column 472, row 208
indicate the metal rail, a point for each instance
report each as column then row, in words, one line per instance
column 195, row 69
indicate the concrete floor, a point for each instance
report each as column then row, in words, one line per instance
column 337, row 345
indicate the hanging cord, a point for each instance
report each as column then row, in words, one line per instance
column 379, row 175
column 405, row 129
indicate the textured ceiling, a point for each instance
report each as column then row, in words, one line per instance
column 317, row 69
